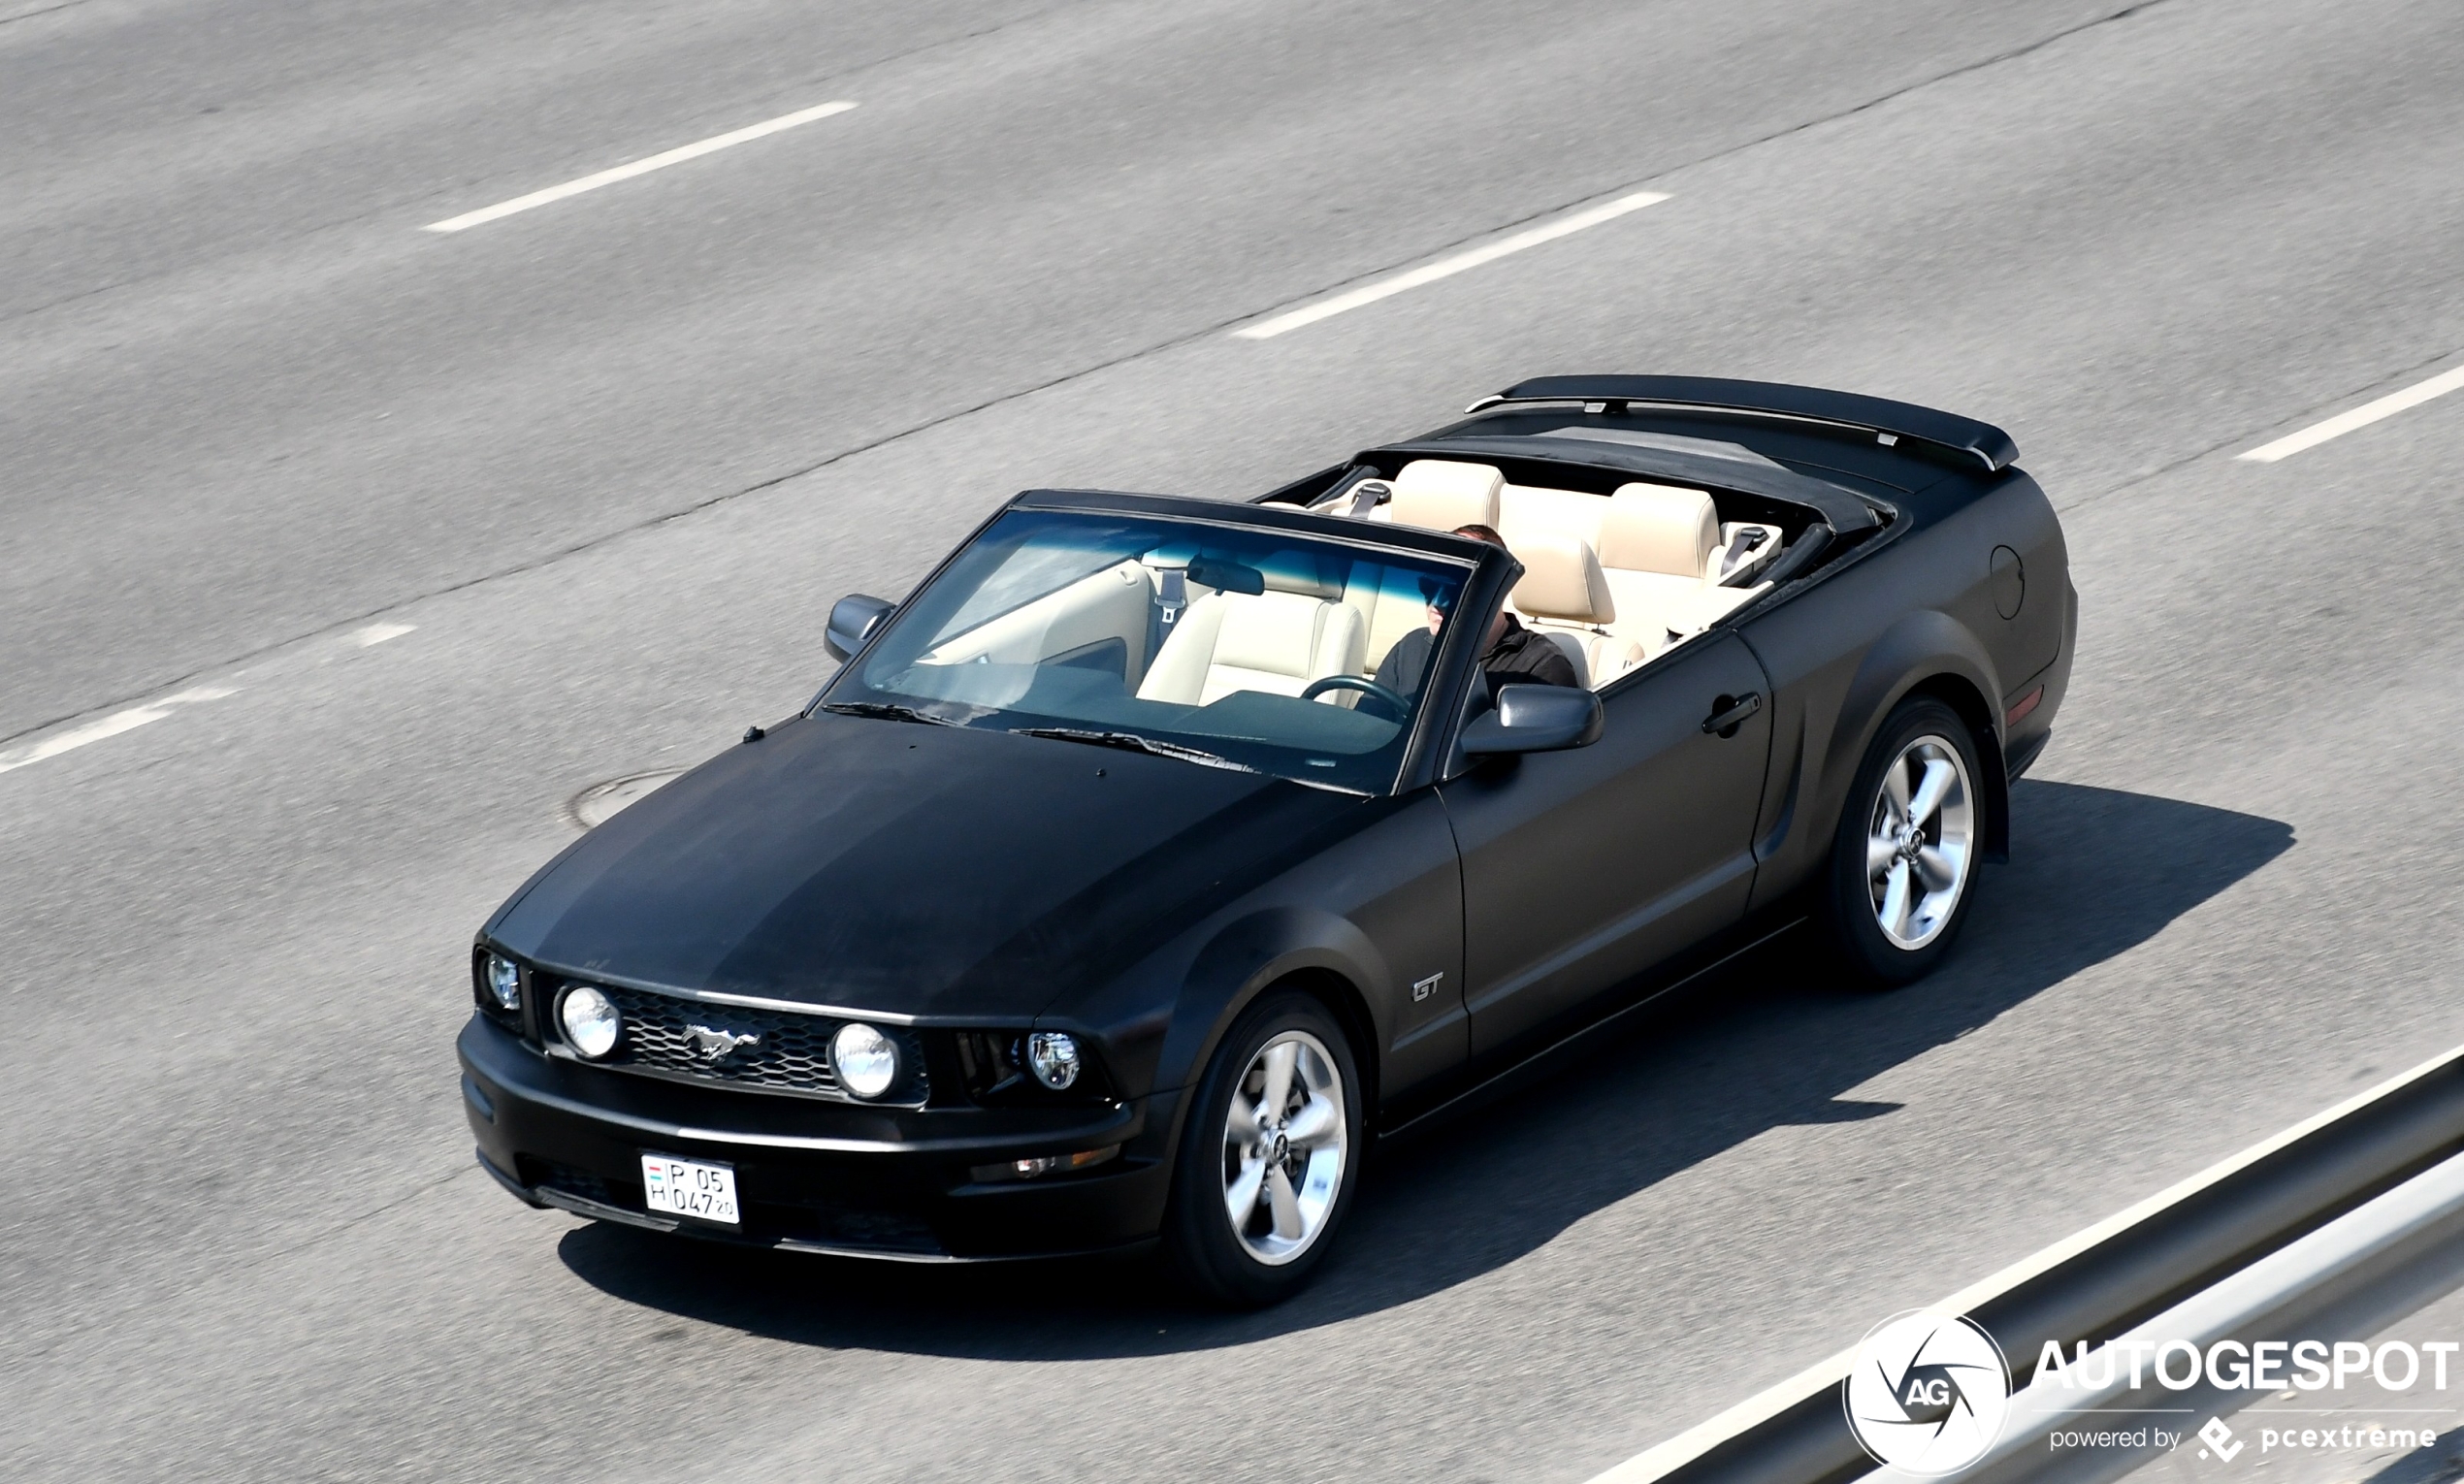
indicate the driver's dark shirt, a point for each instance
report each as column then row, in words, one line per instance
column 1519, row 657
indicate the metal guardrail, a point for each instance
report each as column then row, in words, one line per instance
column 2346, row 1280
column 2104, row 1281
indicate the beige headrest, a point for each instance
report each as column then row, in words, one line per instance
column 1441, row 495
column 1659, row 527
column 1276, row 632
column 1561, row 580
column 1314, row 575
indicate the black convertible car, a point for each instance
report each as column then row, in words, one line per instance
column 1155, row 855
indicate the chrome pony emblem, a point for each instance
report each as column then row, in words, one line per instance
column 717, row 1045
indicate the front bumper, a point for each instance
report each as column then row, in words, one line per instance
column 819, row 1177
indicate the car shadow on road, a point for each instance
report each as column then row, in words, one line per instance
column 1768, row 1041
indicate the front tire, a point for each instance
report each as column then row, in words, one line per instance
column 1269, row 1156
column 1902, row 871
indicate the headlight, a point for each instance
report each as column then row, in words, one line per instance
column 504, row 982
column 867, row 1062
column 590, row 1021
column 1052, row 1057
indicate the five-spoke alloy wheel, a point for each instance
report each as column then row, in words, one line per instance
column 1271, row 1153
column 1285, row 1140
column 1919, row 837
column 1904, row 866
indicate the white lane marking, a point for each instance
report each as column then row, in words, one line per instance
column 377, row 633
column 1661, row 1459
column 108, row 726
column 1447, row 267
column 640, row 167
column 2362, row 416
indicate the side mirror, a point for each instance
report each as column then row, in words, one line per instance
column 1535, row 719
column 852, row 620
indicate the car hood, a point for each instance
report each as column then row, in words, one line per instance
column 911, row 868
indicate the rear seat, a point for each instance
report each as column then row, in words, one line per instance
column 1658, row 549
column 1663, row 549
column 1656, row 542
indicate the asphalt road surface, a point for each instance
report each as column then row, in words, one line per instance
column 352, row 551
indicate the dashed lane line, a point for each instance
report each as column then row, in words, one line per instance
column 1448, row 267
column 69, row 738
column 640, row 167
column 2362, row 416
column 110, row 725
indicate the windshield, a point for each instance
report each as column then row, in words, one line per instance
column 1220, row 646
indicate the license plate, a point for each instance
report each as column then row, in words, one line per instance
column 687, row 1187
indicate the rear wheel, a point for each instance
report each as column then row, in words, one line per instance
column 1269, row 1156
column 1904, row 865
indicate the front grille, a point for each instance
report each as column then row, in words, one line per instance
column 792, row 1054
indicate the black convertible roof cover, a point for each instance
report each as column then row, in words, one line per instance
column 1842, row 509
column 1964, row 438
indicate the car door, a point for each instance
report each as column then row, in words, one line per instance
column 1582, row 868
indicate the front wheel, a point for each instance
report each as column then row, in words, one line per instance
column 1269, row 1156
column 1904, row 865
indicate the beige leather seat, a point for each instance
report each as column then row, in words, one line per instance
column 1661, row 547
column 1442, row 495
column 1656, row 542
column 1272, row 641
column 1565, row 597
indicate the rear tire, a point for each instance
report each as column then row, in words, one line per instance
column 1269, row 1156
column 1902, row 871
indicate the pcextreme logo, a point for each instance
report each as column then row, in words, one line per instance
column 1928, row 1392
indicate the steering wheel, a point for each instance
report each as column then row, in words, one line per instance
column 1317, row 688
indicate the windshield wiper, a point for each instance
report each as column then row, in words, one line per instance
column 890, row 711
column 1130, row 741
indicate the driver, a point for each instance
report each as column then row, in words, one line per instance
column 1512, row 655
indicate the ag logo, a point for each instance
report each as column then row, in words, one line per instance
column 1927, row 1394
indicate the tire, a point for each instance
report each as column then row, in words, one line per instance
column 1894, row 895
column 1286, row 1231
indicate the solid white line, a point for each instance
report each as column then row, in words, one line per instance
column 1663, row 1458
column 2362, row 416
column 108, row 726
column 640, row 167
column 1447, row 267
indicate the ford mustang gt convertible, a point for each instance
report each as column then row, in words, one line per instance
column 1154, row 856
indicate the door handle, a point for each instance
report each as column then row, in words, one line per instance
column 1729, row 712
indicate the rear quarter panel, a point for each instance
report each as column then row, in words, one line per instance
column 1918, row 609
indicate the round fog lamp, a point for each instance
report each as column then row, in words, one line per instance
column 868, row 1060
column 1052, row 1057
column 504, row 982
column 590, row 1021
